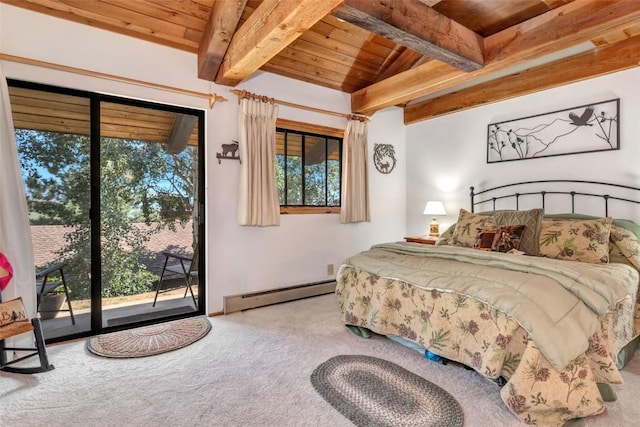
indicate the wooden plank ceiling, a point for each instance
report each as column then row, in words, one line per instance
column 415, row 54
column 53, row 112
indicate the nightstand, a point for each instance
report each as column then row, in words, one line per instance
column 425, row 240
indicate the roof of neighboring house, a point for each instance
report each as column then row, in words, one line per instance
column 48, row 240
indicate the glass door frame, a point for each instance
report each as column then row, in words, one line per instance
column 97, row 323
column 95, row 99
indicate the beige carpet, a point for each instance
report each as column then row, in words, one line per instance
column 252, row 369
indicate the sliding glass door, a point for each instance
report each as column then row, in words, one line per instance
column 54, row 144
column 148, row 191
column 115, row 206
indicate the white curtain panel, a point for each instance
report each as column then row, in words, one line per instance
column 258, row 203
column 355, row 177
column 15, row 234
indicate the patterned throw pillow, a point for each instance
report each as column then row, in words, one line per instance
column 576, row 240
column 487, row 239
column 468, row 227
column 615, row 253
column 445, row 238
column 531, row 219
column 501, row 239
column 510, row 237
column 627, row 246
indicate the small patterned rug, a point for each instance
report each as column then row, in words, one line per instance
column 150, row 340
column 375, row 392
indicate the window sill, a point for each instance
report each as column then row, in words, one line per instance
column 297, row 210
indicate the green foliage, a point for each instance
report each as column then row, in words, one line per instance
column 123, row 274
column 55, row 168
column 139, row 183
column 315, row 184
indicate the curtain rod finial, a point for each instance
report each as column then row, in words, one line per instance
column 213, row 98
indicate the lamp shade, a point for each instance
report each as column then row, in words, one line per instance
column 434, row 208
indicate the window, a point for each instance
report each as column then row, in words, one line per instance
column 110, row 183
column 308, row 169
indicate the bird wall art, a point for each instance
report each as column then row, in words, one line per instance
column 582, row 129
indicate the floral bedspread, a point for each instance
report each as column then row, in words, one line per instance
column 461, row 328
column 566, row 312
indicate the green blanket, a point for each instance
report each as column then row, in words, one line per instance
column 556, row 302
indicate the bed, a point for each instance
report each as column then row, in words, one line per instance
column 546, row 305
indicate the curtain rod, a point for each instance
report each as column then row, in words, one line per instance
column 212, row 97
column 242, row 94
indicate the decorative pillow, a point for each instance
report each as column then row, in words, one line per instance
column 576, row 240
column 531, row 219
column 468, row 227
column 510, row 237
column 445, row 238
column 486, row 240
column 501, row 239
column 616, row 255
column 625, row 245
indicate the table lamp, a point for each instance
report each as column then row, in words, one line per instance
column 434, row 208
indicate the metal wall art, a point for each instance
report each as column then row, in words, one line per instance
column 229, row 152
column 582, row 129
column 384, row 157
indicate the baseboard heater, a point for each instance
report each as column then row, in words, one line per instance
column 260, row 299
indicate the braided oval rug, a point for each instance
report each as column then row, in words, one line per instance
column 375, row 392
column 150, row 340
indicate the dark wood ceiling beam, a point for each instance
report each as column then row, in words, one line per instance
column 412, row 24
column 222, row 23
column 181, row 131
column 555, row 30
column 605, row 60
column 269, row 29
column 319, row 152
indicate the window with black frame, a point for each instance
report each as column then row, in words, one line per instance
column 308, row 171
column 112, row 185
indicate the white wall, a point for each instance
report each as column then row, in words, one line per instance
column 447, row 155
column 299, row 250
column 239, row 259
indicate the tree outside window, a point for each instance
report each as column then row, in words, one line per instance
column 308, row 169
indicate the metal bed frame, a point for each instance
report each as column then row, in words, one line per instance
column 544, row 193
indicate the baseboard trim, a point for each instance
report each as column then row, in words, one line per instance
column 233, row 303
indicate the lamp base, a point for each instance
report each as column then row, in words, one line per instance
column 434, row 229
